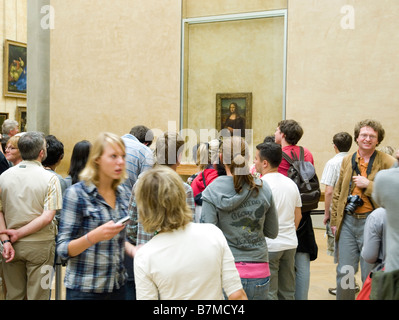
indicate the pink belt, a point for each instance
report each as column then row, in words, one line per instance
column 253, row 270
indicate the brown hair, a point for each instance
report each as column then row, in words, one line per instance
column 168, row 148
column 374, row 124
column 292, row 130
column 235, row 153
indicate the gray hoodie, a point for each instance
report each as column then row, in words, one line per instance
column 245, row 218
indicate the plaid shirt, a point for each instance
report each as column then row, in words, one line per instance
column 139, row 158
column 100, row 268
column 135, row 231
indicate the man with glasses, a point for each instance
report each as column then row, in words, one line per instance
column 352, row 204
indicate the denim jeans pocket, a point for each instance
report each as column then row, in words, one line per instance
column 256, row 289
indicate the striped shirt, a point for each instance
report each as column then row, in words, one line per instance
column 135, row 230
column 331, row 169
column 100, row 268
column 139, row 158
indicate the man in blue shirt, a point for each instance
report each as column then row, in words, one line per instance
column 139, row 158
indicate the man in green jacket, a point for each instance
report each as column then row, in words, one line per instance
column 352, row 203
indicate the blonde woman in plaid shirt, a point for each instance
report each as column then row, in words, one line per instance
column 89, row 238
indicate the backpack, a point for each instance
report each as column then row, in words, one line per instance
column 304, row 175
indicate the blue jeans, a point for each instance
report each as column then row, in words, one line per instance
column 350, row 244
column 302, row 275
column 119, row 294
column 256, row 289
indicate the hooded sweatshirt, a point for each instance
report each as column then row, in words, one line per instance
column 245, row 218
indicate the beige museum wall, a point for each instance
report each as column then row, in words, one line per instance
column 336, row 76
column 204, row 8
column 114, row 64
column 234, row 57
column 13, row 21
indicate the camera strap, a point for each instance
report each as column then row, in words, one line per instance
column 356, row 168
column 369, row 166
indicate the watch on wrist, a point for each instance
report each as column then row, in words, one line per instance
column 5, row 241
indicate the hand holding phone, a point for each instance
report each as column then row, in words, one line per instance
column 124, row 220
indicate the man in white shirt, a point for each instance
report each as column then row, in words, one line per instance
column 288, row 203
column 342, row 143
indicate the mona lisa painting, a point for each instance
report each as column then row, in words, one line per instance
column 234, row 112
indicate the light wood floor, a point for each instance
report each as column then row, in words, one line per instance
column 322, row 272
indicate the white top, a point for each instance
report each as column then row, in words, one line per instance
column 193, row 263
column 286, row 198
column 331, row 169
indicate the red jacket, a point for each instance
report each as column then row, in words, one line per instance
column 198, row 185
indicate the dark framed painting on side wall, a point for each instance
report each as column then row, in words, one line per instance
column 15, row 69
column 21, row 118
column 3, row 117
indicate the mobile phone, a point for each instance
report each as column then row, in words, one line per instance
column 124, row 220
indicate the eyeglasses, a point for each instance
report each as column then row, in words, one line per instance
column 364, row 136
column 11, row 148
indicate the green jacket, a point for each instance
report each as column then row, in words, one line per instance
column 382, row 161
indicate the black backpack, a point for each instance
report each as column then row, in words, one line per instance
column 304, row 175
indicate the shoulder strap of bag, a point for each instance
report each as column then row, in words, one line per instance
column 287, row 157
column 203, row 179
column 301, row 154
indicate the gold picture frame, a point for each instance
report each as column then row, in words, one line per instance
column 15, row 69
column 21, row 118
column 3, row 117
column 238, row 103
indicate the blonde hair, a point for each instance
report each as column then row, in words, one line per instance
column 235, row 153
column 13, row 141
column 208, row 153
column 388, row 150
column 202, row 156
column 91, row 171
column 161, row 200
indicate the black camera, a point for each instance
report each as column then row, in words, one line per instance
column 353, row 202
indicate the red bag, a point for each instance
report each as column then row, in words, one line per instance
column 364, row 294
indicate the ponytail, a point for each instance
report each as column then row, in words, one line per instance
column 235, row 156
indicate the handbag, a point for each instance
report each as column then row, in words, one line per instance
column 364, row 294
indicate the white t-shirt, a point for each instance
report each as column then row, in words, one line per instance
column 286, row 198
column 193, row 263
